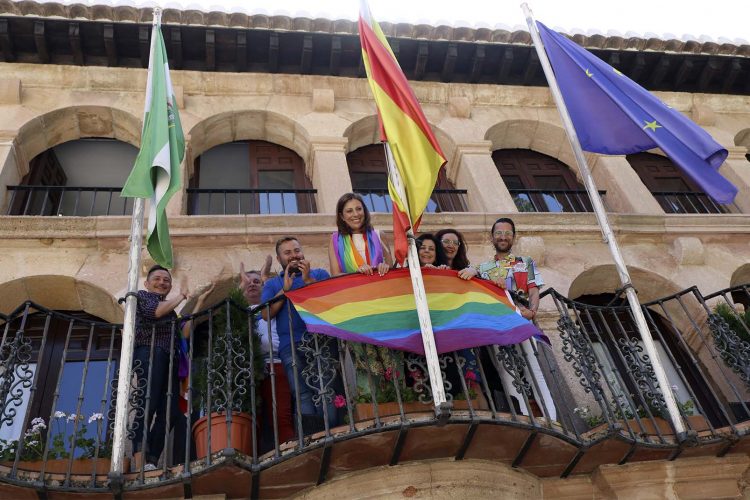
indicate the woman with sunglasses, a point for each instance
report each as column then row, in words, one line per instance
column 451, row 250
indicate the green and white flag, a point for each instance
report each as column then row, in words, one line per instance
column 156, row 173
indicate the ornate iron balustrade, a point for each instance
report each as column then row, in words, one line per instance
column 251, row 201
column 442, row 200
column 688, row 202
column 67, row 201
column 552, row 200
column 239, row 412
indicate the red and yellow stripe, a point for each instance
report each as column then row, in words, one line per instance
column 416, row 152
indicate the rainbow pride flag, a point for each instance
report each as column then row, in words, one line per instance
column 381, row 311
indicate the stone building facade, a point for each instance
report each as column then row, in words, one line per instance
column 79, row 263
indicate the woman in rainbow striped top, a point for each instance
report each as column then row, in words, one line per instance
column 356, row 247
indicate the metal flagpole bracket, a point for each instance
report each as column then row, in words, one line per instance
column 601, row 217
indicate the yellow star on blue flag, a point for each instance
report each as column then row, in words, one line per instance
column 617, row 71
column 589, row 73
column 651, row 125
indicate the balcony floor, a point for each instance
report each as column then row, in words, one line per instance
column 530, row 446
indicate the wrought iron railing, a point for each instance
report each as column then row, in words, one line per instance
column 250, row 201
column 67, row 201
column 688, row 202
column 236, row 408
column 552, row 200
column 442, row 200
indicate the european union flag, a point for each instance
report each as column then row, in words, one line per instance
column 613, row 115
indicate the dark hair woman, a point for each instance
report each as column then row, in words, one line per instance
column 356, row 246
column 452, row 249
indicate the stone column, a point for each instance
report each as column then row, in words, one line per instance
column 737, row 170
column 10, row 173
column 472, row 168
column 625, row 191
column 328, row 171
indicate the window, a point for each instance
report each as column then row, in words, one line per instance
column 540, row 183
column 56, row 356
column 676, row 193
column 77, row 178
column 250, row 177
column 369, row 175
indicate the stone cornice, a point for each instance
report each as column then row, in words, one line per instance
column 248, row 229
column 239, row 20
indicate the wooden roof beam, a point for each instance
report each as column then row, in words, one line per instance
column 682, row 74
column 144, row 44
column 74, row 37
column 449, row 65
column 273, row 52
column 506, row 62
column 6, row 42
column 336, row 55
column 710, row 70
column 241, row 51
column 210, row 50
column 110, row 47
column 477, row 64
column 638, row 67
column 532, row 68
column 735, row 68
column 307, row 52
column 660, row 71
column 175, row 44
column 423, row 52
column 40, row 40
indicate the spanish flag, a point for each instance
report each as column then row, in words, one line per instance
column 416, row 152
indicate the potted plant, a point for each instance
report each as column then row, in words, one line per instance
column 222, row 379
column 92, row 453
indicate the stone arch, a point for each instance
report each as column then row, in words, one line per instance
column 64, row 293
column 240, row 125
column 604, row 279
column 75, row 122
column 365, row 131
column 537, row 135
column 741, row 276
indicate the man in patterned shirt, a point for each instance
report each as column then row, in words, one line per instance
column 153, row 324
column 514, row 272
column 518, row 274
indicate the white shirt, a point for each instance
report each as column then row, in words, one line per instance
column 265, row 346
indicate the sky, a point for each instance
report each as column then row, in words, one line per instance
column 717, row 20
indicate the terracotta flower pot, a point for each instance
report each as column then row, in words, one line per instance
column 242, row 428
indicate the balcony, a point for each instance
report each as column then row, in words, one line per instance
column 596, row 402
column 442, row 200
column 251, row 201
column 552, row 200
column 686, row 202
column 67, row 201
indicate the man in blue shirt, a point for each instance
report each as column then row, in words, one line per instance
column 296, row 273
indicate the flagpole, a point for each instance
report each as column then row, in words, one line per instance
column 442, row 406
column 608, row 235
column 128, row 329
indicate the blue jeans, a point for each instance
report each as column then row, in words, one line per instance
column 158, row 402
column 306, row 393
